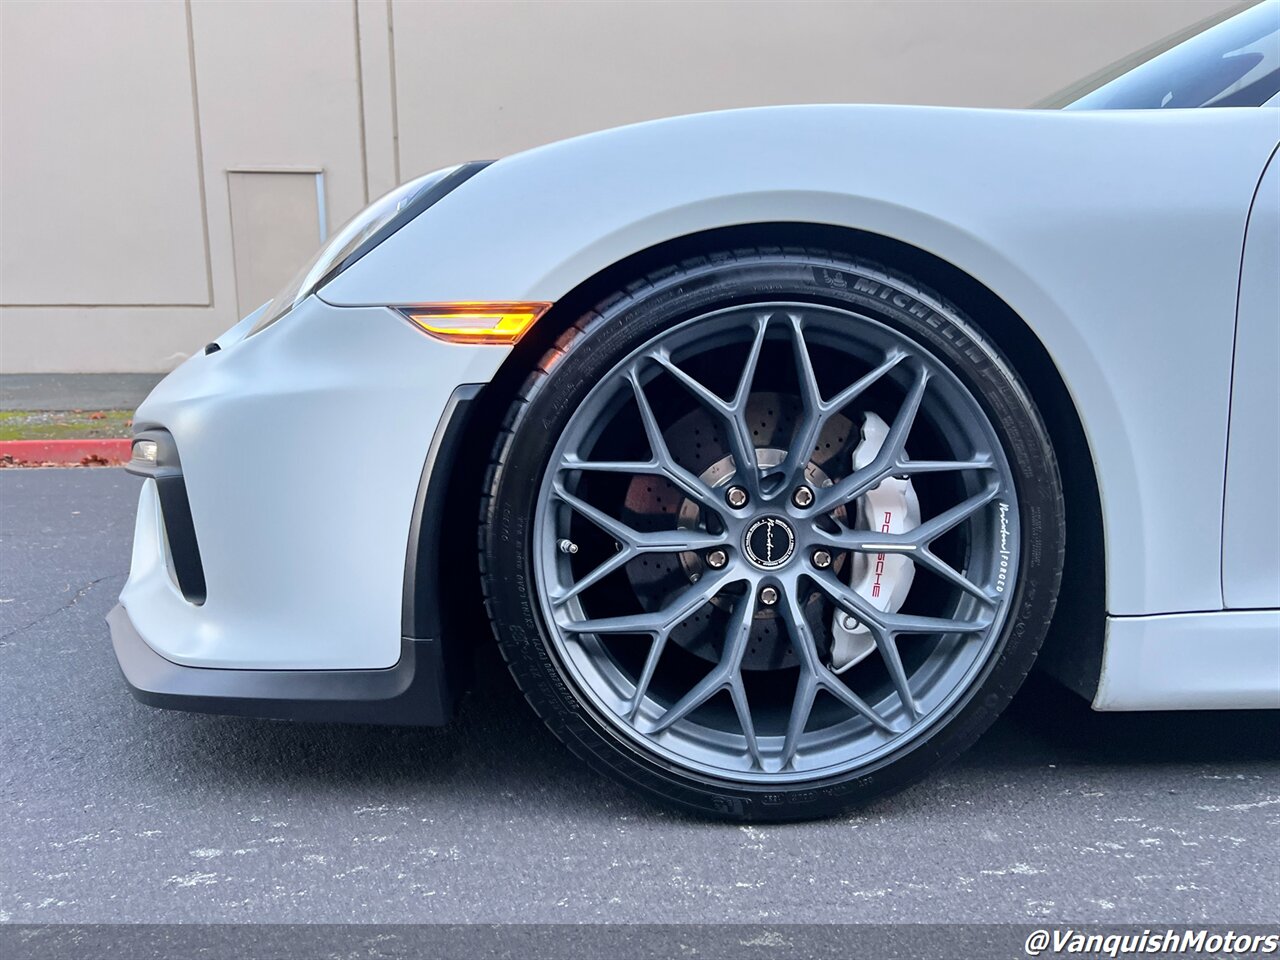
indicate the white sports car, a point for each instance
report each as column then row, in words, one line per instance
column 789, row 434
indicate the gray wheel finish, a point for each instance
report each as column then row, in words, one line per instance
column 724, row 712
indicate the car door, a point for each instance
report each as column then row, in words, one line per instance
column 1251, row 513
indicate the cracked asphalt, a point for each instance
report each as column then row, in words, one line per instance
column 117, row 812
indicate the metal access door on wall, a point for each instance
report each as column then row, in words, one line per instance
column 278, row 220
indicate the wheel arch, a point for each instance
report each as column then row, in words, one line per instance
column 1072, row 652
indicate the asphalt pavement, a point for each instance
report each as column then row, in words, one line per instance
column 114, row 811
column 75, row 391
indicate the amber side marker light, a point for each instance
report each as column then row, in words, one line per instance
column 476, row 322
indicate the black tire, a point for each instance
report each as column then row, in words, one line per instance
column 622, row 322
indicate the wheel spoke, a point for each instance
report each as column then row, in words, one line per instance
column 685, row 603
column 733, row 414
column 852, row 602
column 888, row 648
column 703, row 394
column 657, row 541
column 801, row 708
column 860, row 386
column 810, row 392
column 676, row 541
column 646, row 674
column 948, row 520
column 691, row 485
column 595, row 576
column 807, row 651
column 908, row 468
column 703, row 690
column 818, row 412
column 612, row 466
column 898, row 623
column 851, row 487
column 866, row 541
column 610, row 525
column 814, row 417
column 738, row 693
column 890, row 455
column 901, row 544
column 742, row 443
column 637, row 541
column 927, row 558
column 896, row 441
column 911, row 543
column 724, row 673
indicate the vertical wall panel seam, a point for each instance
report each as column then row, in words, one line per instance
column 195, row 113
column 364, row 134
column 231, row 222
column 395, row 105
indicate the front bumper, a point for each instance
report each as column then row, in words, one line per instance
column 415, row 692
column 302, row 453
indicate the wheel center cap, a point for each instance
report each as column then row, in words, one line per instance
column 769, row 542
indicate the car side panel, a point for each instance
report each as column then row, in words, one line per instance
column 1115, row 235
column 1251, row 519
column 1225, row 660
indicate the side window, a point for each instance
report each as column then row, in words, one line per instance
column 1233, row 64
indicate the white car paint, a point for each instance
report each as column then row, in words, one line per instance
column 1228, row 660
column 1251, row 520
column 1116, row 236
column 302, row 447
column 1113, row 234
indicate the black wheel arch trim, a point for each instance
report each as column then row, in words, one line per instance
column 424, row 589
column 432, row 585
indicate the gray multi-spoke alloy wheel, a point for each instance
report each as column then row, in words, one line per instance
column 771, row 534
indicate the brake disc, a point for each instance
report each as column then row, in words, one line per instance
column 883, row 580
column 698, row 444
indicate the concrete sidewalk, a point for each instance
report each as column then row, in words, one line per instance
column 75, row 391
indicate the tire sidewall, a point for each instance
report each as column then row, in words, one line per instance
column 593, row 347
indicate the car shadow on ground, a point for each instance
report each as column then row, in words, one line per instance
column 496, row 748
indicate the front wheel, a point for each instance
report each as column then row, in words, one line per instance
column 769, row 535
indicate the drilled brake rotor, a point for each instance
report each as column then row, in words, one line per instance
column 698, row 444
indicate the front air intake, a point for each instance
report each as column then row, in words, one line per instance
column 155, row 456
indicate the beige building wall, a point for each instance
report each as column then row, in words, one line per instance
column 166, row 164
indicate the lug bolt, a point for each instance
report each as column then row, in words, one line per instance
column 769, row 596
column 848, row 623
column 717, row 559
column 736, row 497
column 802, row 497
column 567, row 546
column 821, row 559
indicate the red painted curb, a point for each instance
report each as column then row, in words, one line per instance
column 87, row 452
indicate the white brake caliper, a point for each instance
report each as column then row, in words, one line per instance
column 882, row 579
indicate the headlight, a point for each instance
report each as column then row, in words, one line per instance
column 363, row 232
